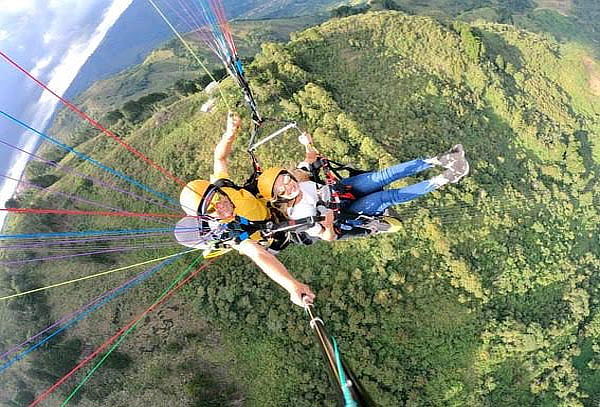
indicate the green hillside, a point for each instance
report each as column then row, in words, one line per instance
column 487, row 297
column 565, row 20
column 164, row 66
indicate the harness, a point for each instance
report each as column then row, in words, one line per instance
column 347, row 224
column 340, row 194
column 276, row 232
column 241, row 229
column 276, row 236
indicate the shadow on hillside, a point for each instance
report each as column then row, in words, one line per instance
column 588, row 159
column 496, row 46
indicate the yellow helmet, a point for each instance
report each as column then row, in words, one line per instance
column 192, row 195
column 266, row 181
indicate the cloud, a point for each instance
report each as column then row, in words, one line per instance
column 48, row 23
column 17, row 7
column 58, row 4
column 61, row 77
column 4, row 35
column 40, row 66
column 76, row 56
column 48, row 37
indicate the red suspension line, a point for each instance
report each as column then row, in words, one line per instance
column 196, row 24
column 94, row 123
column 122, row 331
column 225, row 28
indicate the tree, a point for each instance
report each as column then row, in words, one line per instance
column 518, row 6
column 185, row 87
column 390, row 5
column 113, row 117
column 152, row 98
column 132, row 110
column 45, row 180
column 383, row 5
column 345, row 11
column 12, row 203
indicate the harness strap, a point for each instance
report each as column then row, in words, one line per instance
column 227, row 183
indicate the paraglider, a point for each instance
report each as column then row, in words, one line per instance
column 344, row 199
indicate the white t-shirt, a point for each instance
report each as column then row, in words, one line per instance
column 312, row 194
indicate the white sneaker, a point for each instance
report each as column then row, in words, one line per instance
column 456, row 171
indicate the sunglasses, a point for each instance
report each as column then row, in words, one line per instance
column 285, row 181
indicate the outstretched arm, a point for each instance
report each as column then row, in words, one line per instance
column 223, row 149
column 268, row 263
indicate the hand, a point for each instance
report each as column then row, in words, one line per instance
column 234, row 121
column 302, row 295
column 305, row 139
column 329, row 219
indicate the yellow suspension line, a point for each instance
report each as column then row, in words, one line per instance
column 95, row 275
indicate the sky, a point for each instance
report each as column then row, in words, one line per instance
column 52, row 39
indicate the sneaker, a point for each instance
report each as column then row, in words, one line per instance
column 448, row 159
column 456, row 171
column 390, row 211
column 383, row 224
column 393, row 225
column 458, row 148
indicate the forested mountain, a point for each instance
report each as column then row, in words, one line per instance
column 280, row 8
column 487, row 297
column 577, row 20
column 140, row 30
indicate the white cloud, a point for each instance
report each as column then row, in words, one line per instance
column 64, row 4
column 48, row 37
column 41, row 65
column 57, row 4
column 17, row 7
column 4, row 35
column 61, row 77
column 78, row 53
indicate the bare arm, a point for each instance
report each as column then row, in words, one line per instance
column 276, row 271
column 223, row 149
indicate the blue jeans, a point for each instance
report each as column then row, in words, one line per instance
column 373, row 201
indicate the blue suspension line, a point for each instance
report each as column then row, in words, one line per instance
column 91, row 160
column 239, row 66
column 140, row 279
column 216, row 30
column 88, row 233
